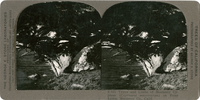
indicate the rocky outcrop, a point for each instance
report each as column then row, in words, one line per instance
column 80, row 61
column 172, row 61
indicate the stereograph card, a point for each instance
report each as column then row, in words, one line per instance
column 100, row 50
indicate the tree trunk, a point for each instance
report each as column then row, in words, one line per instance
column 150, row 65
column 58, row 65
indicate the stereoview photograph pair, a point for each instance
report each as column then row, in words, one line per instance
column 132, row 45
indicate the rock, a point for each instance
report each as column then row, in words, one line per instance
column 168, row 86
column 126, row 77
column 172, row 60
column 77, row 86
column 175, row 58
column 32, row 76
column 80, row 61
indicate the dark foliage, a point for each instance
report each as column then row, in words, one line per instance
column 94, row 56
column 124, row 22
column 42, row 27
column 183, row 56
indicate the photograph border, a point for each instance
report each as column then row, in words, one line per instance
column 10, row 11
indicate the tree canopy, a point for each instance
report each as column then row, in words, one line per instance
column 55, row 28
column 141, row 28
column 145, row 28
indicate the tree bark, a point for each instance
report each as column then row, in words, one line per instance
column 58, row 65
column 150, row 65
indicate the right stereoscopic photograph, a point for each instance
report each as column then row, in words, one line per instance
column 144, row 47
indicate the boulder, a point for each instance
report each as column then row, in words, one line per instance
column 168, row 86
column 77, row 86
column 80, row 60
column 172, row 62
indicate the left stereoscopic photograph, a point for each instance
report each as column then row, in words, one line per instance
column 58, row 47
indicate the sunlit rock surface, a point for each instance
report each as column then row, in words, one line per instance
column 172, row 62
column 80, row 61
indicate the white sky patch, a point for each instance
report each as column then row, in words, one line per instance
column 21, row 44
column 18, row 45
column 113, row 44
column 143, row 35
column 177, row 10
column 74, row 36
column 165, row 36
column 63, row 41
column 106, row 47
column 88, row 9
column 155, row 41
column 130, row 27
column 51, row 34
column 32, row 32
column 135, row 41
column 92, row 34
column 44, row 75
column 38, row 26
column 107, row 43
